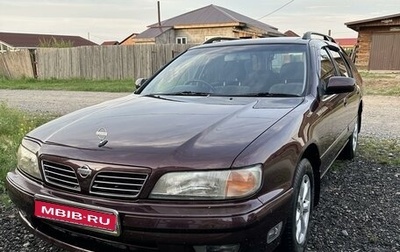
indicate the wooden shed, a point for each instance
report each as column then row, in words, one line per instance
column 378, row 42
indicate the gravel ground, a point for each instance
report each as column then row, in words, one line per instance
column 381, row 117
column 53, row 102
column 359, row 208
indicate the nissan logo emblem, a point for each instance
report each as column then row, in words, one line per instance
column 101, row 134
column 84, row 171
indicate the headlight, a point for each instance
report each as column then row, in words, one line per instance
column 27, row 159
column 225, row 184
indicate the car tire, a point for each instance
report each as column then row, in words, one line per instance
column 349, row 151
column 297, row 228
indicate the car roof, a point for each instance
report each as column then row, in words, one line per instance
column 257, row 41
column 271, row 40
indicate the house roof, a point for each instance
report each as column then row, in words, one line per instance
column 290, row 33
column 152, row 32
column 27, row 40
column 207, row 16
column 355, row 25
column 110, row 43
column 130, row 36
column 346, row 41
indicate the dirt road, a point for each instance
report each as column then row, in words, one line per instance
column 53, row 102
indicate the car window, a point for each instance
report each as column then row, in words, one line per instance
column 327, row 67
column 246, row 70
column 344, row 69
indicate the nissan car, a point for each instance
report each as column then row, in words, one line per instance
column 223, row 149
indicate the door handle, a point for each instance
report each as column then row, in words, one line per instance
column 345, row 102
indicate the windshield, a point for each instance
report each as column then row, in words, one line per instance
column 248, row 70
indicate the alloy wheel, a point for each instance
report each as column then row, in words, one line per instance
column 303, row 209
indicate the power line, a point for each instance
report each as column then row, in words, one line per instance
column 286, row 4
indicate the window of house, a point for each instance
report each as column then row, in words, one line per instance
column 181, row 40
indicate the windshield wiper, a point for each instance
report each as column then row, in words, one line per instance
column 266, row 94
column 187, row 93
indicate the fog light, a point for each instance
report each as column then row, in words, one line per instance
column 274, row 233
column 217, row 248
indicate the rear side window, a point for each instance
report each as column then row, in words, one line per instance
column 327, row 66
column 344, row 69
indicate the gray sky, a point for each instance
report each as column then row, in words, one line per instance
column 103, row 20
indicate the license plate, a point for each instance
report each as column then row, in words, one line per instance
column 89, row 217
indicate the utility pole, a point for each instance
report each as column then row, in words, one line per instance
column 159, row 14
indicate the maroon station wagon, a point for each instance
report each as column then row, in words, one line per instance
column 223, row 149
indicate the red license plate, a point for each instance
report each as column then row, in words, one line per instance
column 93, row 218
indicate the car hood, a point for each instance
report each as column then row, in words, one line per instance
column 192, row 132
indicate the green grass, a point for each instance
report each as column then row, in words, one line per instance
column 69, row 85
column 376, row 83
column 382, row 151
column 14, row 124
column 389, row 91
column 377, row 75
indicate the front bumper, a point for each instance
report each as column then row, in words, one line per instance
column 154, row 226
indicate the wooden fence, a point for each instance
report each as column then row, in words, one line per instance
column 104, row 62
column 16, row 65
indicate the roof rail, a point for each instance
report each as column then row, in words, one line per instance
column 308, row 35
column 218, row 39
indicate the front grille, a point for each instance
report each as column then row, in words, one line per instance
column 60, row 175
column 118, row 184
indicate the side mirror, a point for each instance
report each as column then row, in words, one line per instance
column 139, row 82
column 340, row 84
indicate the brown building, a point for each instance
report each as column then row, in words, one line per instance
column 197, row 26
column 290, row 33
column 15, row 41
column 130, row 40
column 378, row 42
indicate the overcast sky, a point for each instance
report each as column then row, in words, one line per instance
column 102, row 20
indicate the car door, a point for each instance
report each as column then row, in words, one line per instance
column 331, row 127
column 349, row 113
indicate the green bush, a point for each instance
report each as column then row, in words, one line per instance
column 14, row 124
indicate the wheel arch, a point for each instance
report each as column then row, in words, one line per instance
column 312, row 154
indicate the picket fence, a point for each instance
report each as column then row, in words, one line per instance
column 89, row 62
column 104, row 62
column 16, row 65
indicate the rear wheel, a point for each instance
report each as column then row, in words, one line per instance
column 297, row 228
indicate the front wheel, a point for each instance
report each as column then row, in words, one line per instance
column 297, row 227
